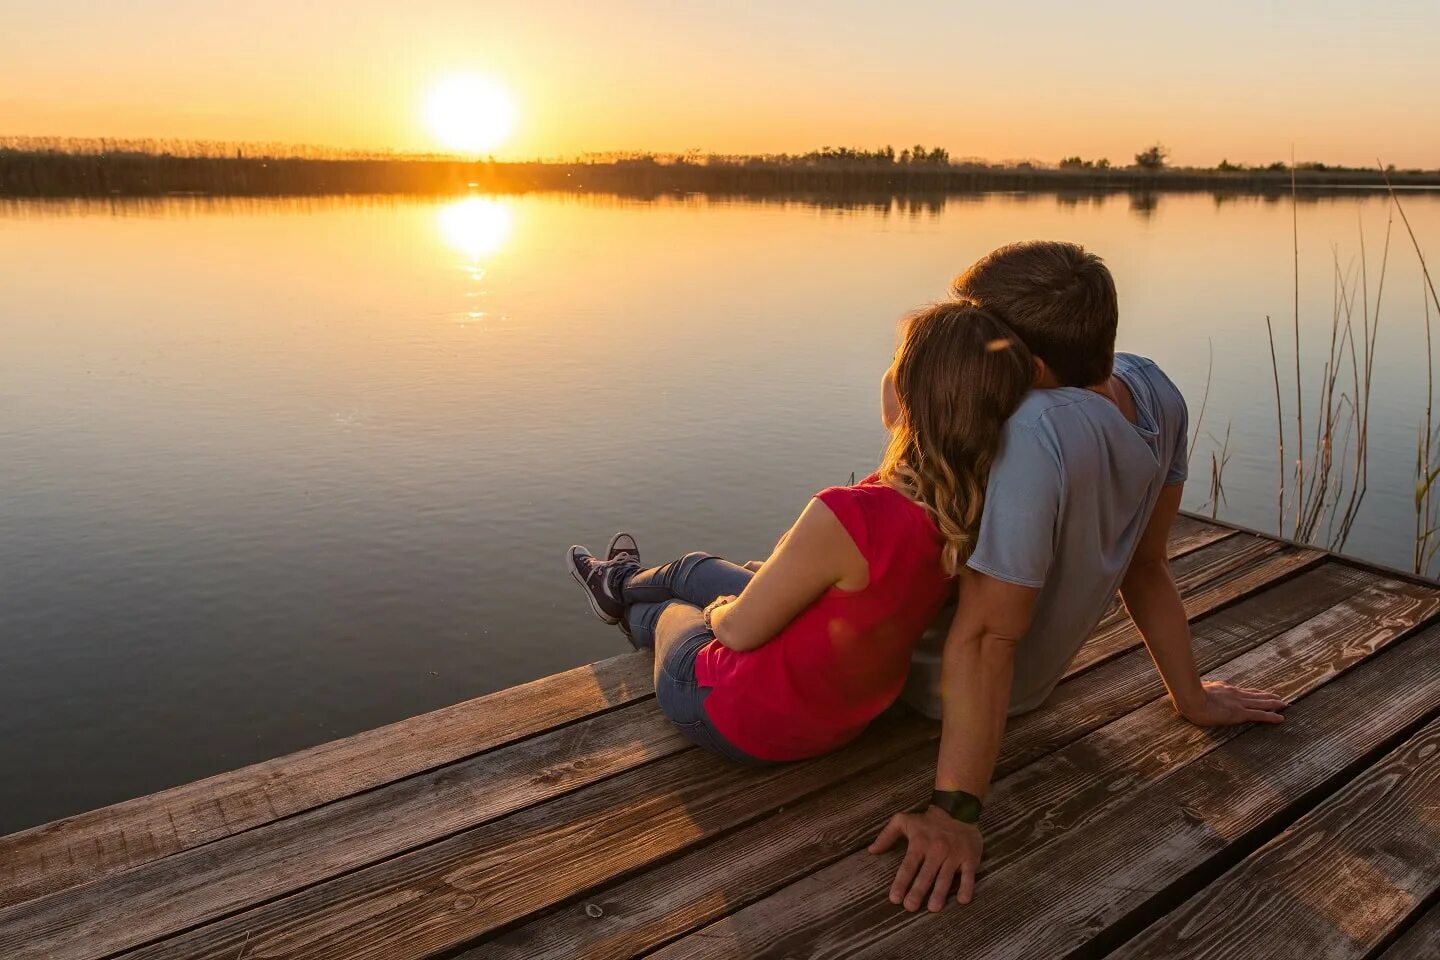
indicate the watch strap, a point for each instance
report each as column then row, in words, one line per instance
column 963, row 806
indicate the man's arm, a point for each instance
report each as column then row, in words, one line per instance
column 1154, row 603
column 976, row 672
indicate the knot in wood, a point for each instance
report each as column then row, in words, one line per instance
column 594, row 910
column 464, row 902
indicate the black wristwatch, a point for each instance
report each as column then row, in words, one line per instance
column 963, row 806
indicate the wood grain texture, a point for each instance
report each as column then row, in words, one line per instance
column 515, row 867
column 1189, row 533
column 1129, row 865
column 92, row 845
column 1239, row 568
column 1420, row 942
column 1336, row 884
column 159, row 898
column 650, row 909
column 1063, row 792
column 1195, row 560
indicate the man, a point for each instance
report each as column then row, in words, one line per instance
column 1079, row 503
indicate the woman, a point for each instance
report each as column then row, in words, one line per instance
column 795, row 656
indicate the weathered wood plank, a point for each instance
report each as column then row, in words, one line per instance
column 91, row 845
column 1336, row 884
column 1129, row 865
column 161, row 897
column 443, row 895
column 1420, row 942
column 1190, row 533
column 1197, row 559
column 1253, row 565
column 1057, row 794
column 718, row 878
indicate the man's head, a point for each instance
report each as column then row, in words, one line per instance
column 1057, row 297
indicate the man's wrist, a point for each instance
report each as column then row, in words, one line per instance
column 958, row 804
column 1188, row 701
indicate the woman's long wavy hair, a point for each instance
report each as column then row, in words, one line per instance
column 959, row 374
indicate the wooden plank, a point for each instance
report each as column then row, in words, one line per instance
column 1205, row 562
column 1028, row 808
column 502, row 872
column 1128, row 866
column 91, row 845
column 1254, row 564
column 1420, row 942
column 1336, row 884
column 1388, row 571
column 1190, row 533
column 180, row 891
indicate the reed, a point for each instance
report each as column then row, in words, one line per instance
column 1331, row 477
column 1427, row 471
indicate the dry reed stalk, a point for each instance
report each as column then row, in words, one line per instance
column 1279, row 429
column 1299, row 399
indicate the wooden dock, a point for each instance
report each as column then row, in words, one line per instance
column 565, row 818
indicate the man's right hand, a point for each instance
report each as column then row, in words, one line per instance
column 1223, row 704
column 937, row 848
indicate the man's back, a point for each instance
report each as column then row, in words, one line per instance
column 1069, row 496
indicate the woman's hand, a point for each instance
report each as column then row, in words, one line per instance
column 1223, row 705
column 937, row 848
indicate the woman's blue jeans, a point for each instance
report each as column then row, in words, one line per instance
column 667, row 602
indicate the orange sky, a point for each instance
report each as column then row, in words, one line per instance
column 1028, row 79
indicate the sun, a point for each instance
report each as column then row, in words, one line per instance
column 469, row 113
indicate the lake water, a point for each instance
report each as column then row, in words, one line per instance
column 273, row 472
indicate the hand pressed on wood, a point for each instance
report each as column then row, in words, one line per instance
column 938, row 847
column 1223, row 704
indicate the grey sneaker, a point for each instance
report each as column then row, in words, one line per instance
column 594, row 576
column 623, row 545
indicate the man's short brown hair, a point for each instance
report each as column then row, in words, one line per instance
column 1059, row 299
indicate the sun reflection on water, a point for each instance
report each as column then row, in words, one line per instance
column 476, row 226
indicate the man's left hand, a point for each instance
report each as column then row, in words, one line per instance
column 937, row 848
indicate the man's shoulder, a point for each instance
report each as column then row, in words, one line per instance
column 1140, row 371
column 1045, row 416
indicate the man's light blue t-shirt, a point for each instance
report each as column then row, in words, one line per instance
column 1069, row 496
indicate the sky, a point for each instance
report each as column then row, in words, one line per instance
column 1027, row 79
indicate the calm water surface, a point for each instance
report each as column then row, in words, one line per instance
column 275, row 472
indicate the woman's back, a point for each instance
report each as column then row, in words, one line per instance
column 844, row 659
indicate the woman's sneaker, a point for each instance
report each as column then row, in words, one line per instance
column 595, row 576
column 622, row 545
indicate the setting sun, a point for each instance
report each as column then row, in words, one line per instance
column 469, row 113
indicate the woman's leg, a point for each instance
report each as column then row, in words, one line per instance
column 696, row 578
column 677, row 630
column 662, row 626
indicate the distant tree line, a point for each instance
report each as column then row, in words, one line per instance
column 1153, row 158
column 156, row 168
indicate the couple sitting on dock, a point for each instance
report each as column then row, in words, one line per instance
column 1029, row 467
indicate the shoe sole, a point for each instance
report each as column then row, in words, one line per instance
column 589, row 597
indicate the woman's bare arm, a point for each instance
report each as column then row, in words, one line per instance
column 815, row 555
